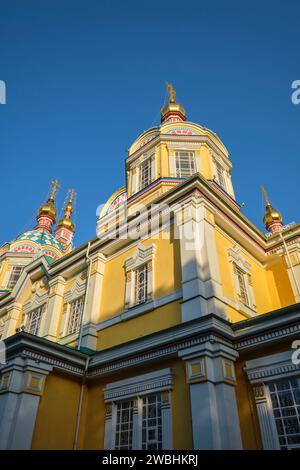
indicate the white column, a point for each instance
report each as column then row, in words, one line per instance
column 166, row 419
column 21, row 386
column 50, row 322
column 108, row 432
column 211, row 379
column 14, row 313
column 137, row 424
column 92, row 308
column 201, row 281
column 266, row 420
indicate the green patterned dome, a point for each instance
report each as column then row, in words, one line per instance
column 37, row 241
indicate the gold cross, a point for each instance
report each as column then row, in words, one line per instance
column 265, row 194
column 54, row 189
column 172, row 92
column 72, row 194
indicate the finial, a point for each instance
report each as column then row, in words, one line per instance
column 172, row 92
column 71, row 195
column 65, row 227
column 172, row 111
column 54, row 189
column 265, row 195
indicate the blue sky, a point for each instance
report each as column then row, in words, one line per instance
column 84, row 78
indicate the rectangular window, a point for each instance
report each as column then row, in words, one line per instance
column 185, row 164
column 33, row 320
column 145, row 174
column 285, row 398
column 150, row 417
column 220, row 175
column 151, row 423
column 75, row 316
column 14, row 276
column 141, row 283
column 124, row 425
column 242, row 285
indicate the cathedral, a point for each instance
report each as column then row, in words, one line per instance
column 175, row 327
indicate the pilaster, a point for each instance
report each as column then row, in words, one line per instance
column 92, row 307
column 51, row 320
column 22, row 383
column 211, row 380
column 201, row 282
column 14, row 314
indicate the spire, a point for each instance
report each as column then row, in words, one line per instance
column 172, row 112
column 65, row 227
column 272, row 218
column 47, row 212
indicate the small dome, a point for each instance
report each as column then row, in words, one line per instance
column 118, row 198
column 36, row 241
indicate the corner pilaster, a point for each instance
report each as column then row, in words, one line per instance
column 211, row 381
column 201, row 281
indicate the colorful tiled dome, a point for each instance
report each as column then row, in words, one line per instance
column 35, row 241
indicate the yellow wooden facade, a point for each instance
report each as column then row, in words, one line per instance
column 211, row 325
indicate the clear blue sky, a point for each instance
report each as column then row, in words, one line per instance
column 84, row 78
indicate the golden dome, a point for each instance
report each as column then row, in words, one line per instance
column 271, row 215
column 172, row 110
column 48, row 209
column 272, row 218
column 47, row 212
column 66, row 221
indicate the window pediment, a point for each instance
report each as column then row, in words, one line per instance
column 236, row 256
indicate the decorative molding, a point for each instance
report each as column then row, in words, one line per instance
column 228, row 371
column 77, row 290
column 37, row 300
column 235, row 255
column 139, row 385
column 34, row 383
column 273, row 367
column 55, row 362
column 274, row 335
column 196, row 370
column 142, row 255
column 5, row 381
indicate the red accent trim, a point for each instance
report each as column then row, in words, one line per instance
column 166, row 116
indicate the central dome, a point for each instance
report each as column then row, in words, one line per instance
column 183, row 128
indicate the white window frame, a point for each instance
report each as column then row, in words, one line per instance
column 141, row 285
column 145, row 168
column 77, row 291
column 143, row 258
column 240, row 265
column 191, row 160
column 33, row 320
column 284, row 412
column 73, row 304
column 261, row 372
column 12, row 280
column 221, row 178
column 242, row 284
column 119, row 411
column 135, row 389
